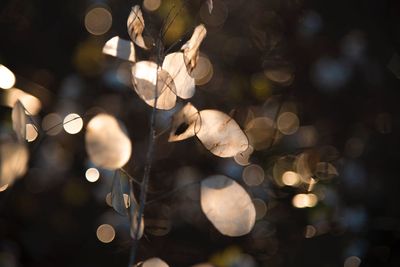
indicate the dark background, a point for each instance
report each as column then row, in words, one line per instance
column 50, row 216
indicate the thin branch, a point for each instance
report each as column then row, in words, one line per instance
column 170, row 193
column 130, row 176
column 148, row 164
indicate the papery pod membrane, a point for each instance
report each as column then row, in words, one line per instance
column 134, row 213
column 18, row 118
column 120, row 191
column 106, row 143
column 120, row 48
column 136, row 26
column 191, row 47
column 227, row 205
column 220, row 134
column 184, row 123
column 14, row 157
column 175, row 65
column 146, row 76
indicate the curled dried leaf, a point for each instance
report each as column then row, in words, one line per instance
column 183, row 123
column 106, row 143
column 220, row 134
column 191, row 47
column 14, row 158
column 135, row 26
column 175, row 65
column 134, row 213
column 120, row 48
column 146, row 76
column 19, row 121
column 227, row 205
column 120, row 199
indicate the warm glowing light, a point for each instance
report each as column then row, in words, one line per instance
column 106, row 142
column 352, row 261
column 253, row 175
column 31, row 103
column 92, row 175
column 7, row 78
column 288, row 123
column 290, row 178
column 105, row 233
column 151, row 5
column 260, row 132
column 3, row 188
column 305, row 200
column 73, row 123
column 98, row 21
column 203, row 71
column 310, row 231
column 52, row 124
column 261, row 208
column 242, row 158
column 31, row 132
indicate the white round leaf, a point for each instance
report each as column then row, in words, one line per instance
column 106, row 143
column 14, row 157
column 227, row 205
column 135, row 25
column 19, row 120
column 146, row 77
column 174, row 63
column 220, row 134
column 118, row 47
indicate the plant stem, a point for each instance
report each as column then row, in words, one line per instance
column 147, row 167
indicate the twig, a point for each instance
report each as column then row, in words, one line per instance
column 149, row 160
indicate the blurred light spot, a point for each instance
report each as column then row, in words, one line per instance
column 260, row 85
column 7, row 78
column 52, row 124
column 310, row 24
column 73, row 123
column 176, row 30
column 354, row 147
column 31, row 132
column 310, row 231
column 105, row 233
column 98, row 20
column 3, row 188
column 88, row 57
column 203, row 71
column 92, row 175
column 151, row 5
column 281, row 75
column 30, row 102
column 253, row 175
column 304, row 200
column 306, row 136
column 288, row 123
column 260, row 132
column 290, row 178
column 353, row 45
column 330, row 74
column 352, row 261
column 261, row 208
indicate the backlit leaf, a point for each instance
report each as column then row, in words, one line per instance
column 227, row 205
column 19, row 121
column 174, row 63
column 120, row 199
column 134, row 213
column 326, row 171
column 106, row 143
column 135, row 26
column 118, row 47
column 146, row 77
column 153, row 262
column 14, row 158
column 183, row 123
column 220, row 134
column 191, row 47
